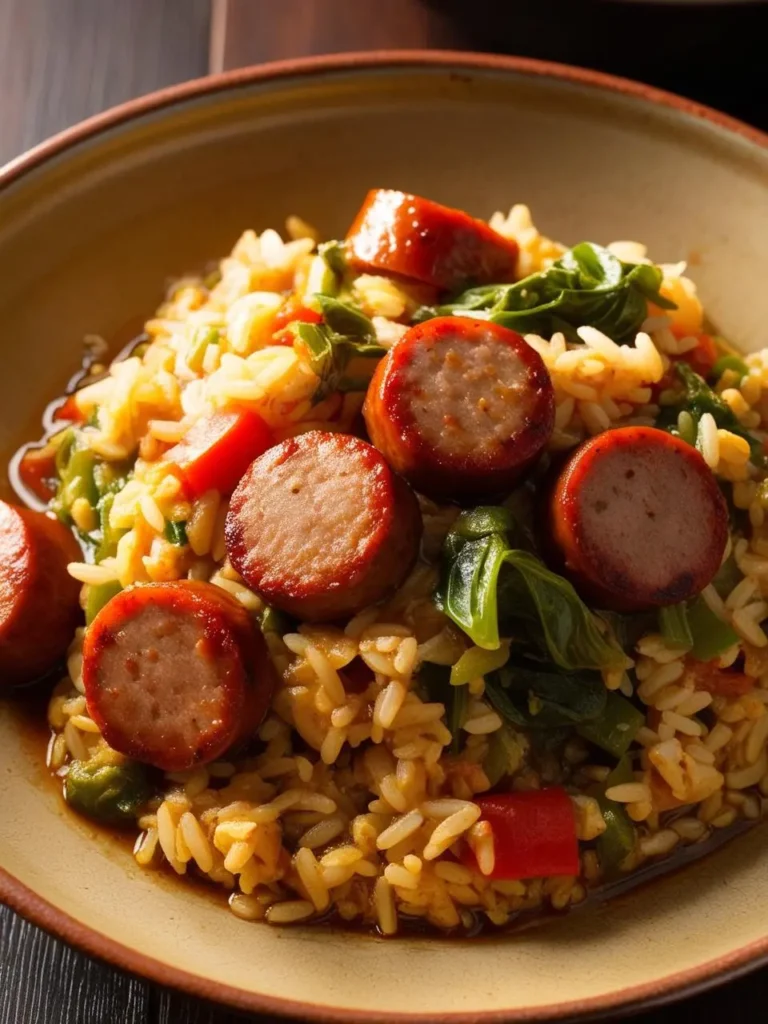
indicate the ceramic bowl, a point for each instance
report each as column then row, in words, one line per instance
column 93, row 223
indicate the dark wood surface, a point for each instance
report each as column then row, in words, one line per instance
column 62, row 60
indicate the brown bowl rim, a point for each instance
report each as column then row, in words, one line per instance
column 62, row 925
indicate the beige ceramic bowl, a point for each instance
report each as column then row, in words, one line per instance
column 94, row 222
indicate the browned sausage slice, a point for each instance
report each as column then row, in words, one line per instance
column 322, row 527
column 175, row 673
column 398, row 233
column 461, row 407
column 638, row 519
column 39, row 600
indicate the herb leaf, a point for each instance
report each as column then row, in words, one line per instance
column 342, row 351
column 484, row 579
column 587, row 285
column 538, row 696
column 700, row 398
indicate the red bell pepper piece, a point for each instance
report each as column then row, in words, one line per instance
column 534, row 834
column 293, row 310
column 69, row 410
column 709, row 676
column 37, row 471
column 702, row 359
column 217, row 450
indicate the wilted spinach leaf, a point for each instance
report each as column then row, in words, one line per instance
column 587, row 285
column 342, row 350
column 484, row 579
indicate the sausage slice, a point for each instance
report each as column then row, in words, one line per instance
column 39, row 600
column 399, row 233
column 322, row 527
column 175, row 673
column 461, row 407
column 637, row 519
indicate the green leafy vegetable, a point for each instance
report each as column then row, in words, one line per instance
column 436, row 681
column 587, row 285
column 176, row 533
column 615, row 729
column 478, row 661
column 536, row 696
column 504, row 755
column 110, row 793
column 482, row 575
column 334, row 255
column 343, row 351
column 711, row 636
column 97, row 597
column 673, row 625
column 699, row 398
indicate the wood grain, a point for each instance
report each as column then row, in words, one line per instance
column 63, row 60
column 679, row 48
column 251, row 31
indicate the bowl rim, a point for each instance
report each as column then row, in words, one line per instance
column 62, row 925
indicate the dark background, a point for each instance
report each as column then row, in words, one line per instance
column 62, row 60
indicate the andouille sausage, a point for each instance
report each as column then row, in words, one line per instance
column 39, row 600
column 637, row 519
column 461, row 407
column 322, row 527
column 175, row 673
column 398, row 233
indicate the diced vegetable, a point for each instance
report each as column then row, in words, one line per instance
column 334, row 255
column 321, row 279
column 703, row 358
column 293, row 311
column 504, row 755
column 76, row 464
column 587, row 285
column 218, row 449
column 97, row 597
column 711, row 636
column 478, row 662
column 436, row 681
column 176, row 533
column 541, row 697
column 69, row 411
column 699, row 398
column 110, row 793
column 673, row 625
column 729, row 575
column 534, row 834
column 615, row 844
column 204, row 336
column 730, row 362
column 723, row 682
column 615, row 729
column 107, row 545
column 342, row 351
column 474, row 592
column 37, row 471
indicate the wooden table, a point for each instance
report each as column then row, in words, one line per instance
column 61, row 60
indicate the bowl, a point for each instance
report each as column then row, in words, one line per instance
column 95, row 221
